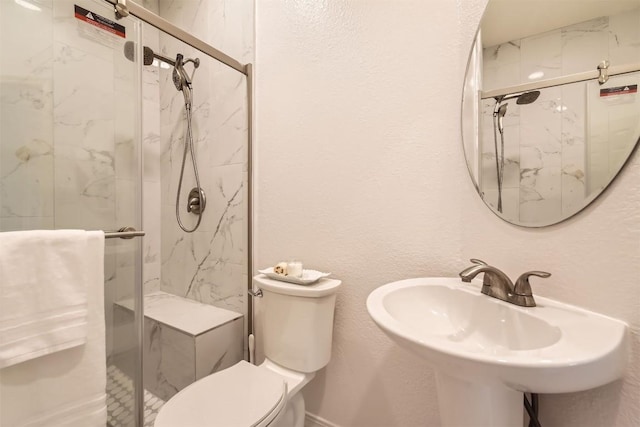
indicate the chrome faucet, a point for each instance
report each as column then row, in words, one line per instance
column 496, row 284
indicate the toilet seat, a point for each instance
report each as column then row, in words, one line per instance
column 243, row 395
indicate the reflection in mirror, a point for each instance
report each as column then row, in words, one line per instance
column 543, row 136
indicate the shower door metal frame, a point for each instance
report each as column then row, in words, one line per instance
column 123, row 8
column 562, row 80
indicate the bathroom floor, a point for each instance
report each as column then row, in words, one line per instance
column 120, row 402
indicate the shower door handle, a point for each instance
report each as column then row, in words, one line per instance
column 123, row 233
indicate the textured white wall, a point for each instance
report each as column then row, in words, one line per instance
column 360, row 172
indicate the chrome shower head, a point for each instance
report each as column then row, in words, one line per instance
column 180, row 77
column 181, row 80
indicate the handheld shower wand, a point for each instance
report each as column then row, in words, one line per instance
column 499, row 111
column 182, row 80
column 502, row 111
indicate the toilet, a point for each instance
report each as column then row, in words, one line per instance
column 297, row 331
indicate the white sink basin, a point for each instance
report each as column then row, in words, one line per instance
column 473, row 338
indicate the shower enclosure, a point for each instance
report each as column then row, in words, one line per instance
column 93, row 135
column 499, row 111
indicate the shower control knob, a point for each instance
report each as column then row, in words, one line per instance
column 196, row 201
column 193, row 205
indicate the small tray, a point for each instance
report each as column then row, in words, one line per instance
column 308, row 276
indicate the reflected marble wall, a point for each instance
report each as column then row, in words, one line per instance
column 551, row 146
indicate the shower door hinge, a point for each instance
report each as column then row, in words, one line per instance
column 122, row 11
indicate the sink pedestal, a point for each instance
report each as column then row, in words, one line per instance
column 464, row 403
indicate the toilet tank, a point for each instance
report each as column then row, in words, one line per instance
column 297, row 322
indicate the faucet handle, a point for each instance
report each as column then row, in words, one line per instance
column 478, row 261
column 523, row 287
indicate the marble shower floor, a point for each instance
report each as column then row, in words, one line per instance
column 120, row 401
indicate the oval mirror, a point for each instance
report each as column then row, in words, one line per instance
column 551, row 109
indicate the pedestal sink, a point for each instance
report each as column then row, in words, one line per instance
column 487, row 352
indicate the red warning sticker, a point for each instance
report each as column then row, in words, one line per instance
column 620, row 90
column 100, row 21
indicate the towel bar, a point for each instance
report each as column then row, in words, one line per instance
column 123, row 233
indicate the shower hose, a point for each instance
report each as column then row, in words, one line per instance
column 499, row 162
column 188, row 146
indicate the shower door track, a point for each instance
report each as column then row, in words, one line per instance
column 559, row 81
column 124, row 8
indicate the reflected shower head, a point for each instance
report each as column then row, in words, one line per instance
column 528, row 97
column 522, row 98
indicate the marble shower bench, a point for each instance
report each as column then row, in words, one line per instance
column 184, row 340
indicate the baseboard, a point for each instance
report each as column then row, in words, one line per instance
column 311, row 420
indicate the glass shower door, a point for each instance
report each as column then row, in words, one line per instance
column 70, row 153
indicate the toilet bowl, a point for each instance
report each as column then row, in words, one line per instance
column 297, row 323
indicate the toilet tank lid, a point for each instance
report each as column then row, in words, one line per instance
column 321, row 288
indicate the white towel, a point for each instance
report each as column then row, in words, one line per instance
column 65, row 388
column 43, row 293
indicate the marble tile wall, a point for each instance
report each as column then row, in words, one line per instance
column 151, row 157
column 26, row 117
column 184, row 341
column 69, row 112
column 551, row 165
column 210, row 264
column 68, row 126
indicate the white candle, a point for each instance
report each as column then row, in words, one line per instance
column 294, row 269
